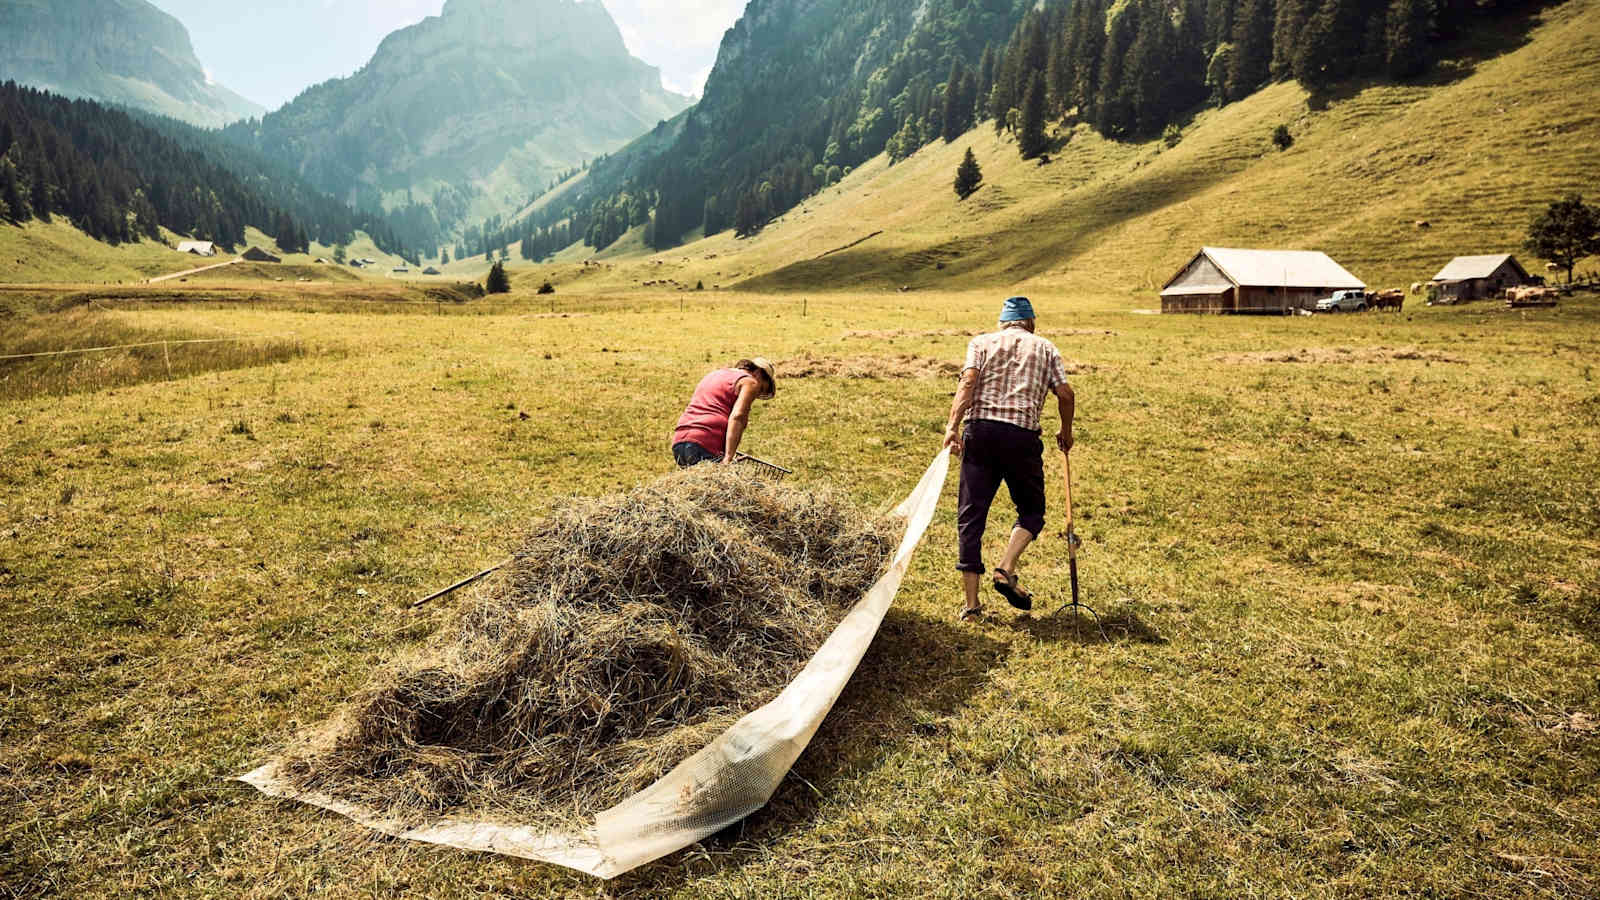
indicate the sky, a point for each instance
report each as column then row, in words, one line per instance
column 271, row 51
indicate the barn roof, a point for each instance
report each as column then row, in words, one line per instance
column 1464, row 268
column 1282, row 268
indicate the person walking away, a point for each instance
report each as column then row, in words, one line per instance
column 713, row 425
column 994, row 428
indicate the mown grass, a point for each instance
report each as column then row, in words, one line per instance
column 1354, row 598
column 1353, row 605
column 86, row 350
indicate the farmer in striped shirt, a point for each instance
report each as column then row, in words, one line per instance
column 1005, row 381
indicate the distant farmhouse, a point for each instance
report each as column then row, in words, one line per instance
column 256, row 254
column 401, row 270
column 431, row 271
column 1479, row 277
column 1220, row 280
column 198, row 248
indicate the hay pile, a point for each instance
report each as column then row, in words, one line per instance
column 629, row 631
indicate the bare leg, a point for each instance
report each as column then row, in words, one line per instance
column 969, row 585
column 1020, row 539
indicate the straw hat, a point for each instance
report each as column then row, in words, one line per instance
column 765, row 365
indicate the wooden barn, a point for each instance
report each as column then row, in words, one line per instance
column 256, row 254
column 1223, row 280
column 1479, row 277
column 198, row 248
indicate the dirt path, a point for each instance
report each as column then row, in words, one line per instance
column 219, row 265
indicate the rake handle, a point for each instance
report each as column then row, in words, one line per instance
column 1072, row 537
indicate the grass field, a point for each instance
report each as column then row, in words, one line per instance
column 1354, row 598
column 1350, row 564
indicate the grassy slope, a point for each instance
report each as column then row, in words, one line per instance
column 1476, row 154
column 39, row 252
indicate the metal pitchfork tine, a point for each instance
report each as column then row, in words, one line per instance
column 774, row 468
column 1073, row 543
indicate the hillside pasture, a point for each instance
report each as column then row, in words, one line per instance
column 1353, row 597
column 1476, row 152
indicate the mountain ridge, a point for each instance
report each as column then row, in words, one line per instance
column 470, row 112
column 127, row 52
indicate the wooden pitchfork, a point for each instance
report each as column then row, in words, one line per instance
column 1073, row 543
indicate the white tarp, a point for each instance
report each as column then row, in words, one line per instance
column 732, row 777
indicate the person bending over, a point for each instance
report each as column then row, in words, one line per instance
column 713, row 425
column 1007, row 376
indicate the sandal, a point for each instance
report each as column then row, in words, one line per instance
column 967, row 615
column 1005, row 584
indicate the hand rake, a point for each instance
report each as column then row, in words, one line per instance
column 768, row 468
column 1072, row 559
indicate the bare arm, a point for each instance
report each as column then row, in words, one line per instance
column 1067, row 402
column 958, row 409
column 739, row 419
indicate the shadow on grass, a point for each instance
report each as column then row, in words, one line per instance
column 1492, row 34
column 917, row 671
column 1079, row 627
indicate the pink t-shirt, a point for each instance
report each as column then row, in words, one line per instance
column 705, row 422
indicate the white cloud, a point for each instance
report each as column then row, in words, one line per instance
column 680, row 37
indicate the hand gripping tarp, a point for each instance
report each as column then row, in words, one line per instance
column 732, row 777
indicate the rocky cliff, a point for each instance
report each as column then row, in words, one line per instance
column 118, row 51
column 475, row 109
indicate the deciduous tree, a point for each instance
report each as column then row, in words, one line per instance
column 1567, row 231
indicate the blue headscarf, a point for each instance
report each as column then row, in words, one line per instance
column 1016, row 309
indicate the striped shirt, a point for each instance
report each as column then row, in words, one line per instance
column 1016, row 371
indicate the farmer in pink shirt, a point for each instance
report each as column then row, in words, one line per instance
column 711, row 428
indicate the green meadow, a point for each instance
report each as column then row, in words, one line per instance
column 1348, row 567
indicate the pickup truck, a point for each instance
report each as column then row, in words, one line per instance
column 1344, row 301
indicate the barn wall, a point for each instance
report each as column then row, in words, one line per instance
column 1278, row 300
column 1198, row 303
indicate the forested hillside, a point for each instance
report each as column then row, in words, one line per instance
column 805, row 89
column 121, row 179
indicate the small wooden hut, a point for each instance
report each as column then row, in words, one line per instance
column 1223, row 280
column 1479, row 277
column 256, row 254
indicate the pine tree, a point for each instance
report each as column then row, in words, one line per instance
column 956, row 106
column 1250, row 64
column 444, row 256
column 12, row 193
column 1405, row 38
column 984, row 84
column 1031, row 140
column 968, row 176
column 497, row 282
column 1002, row 98
column 1289, row 20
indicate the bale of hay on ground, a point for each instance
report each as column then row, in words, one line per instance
column 628, row 632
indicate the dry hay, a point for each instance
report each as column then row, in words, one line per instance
column 628, row 632
column 1340, row 355
column 892, row 334
column 904, row 365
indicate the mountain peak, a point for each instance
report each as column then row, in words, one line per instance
column 119, row 51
